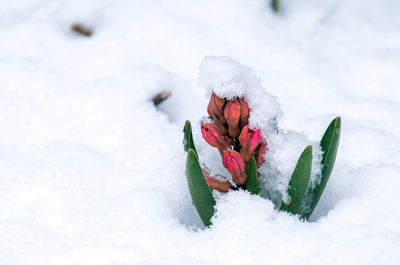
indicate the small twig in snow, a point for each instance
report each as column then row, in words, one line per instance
column 81, row 29
column 160, row 97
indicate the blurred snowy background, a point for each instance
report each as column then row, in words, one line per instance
column 92, row 173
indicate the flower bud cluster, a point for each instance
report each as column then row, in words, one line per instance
column 230, row 134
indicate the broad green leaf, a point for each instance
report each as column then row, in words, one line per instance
column 298, row 182
column 329, row 145
column 188, row 138
column 252, row 180
column 202, row 197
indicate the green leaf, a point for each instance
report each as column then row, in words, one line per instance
column 298, row 182
column 329, row 145
column 252, row 180
column 188, row 138
column 202, row 197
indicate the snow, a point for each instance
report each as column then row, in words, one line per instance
column 92, row 173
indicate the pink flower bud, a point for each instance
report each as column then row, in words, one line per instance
column 213, row 137
column 232, row 116
column 215, row 110
column 261, row 153
column 222, row 128
column 244, row 113
column 221, row 186
column 216, row 107
column 249, row 141
column 235, row 165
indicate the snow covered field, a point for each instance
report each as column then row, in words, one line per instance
column 92, row 173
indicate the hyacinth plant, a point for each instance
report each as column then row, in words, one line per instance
column 242, row 150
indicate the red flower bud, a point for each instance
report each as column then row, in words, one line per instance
column 222, row 128
column 221, row 186
column 249, row 141
column 216, row 107
column 244, row 113
column 232, row 116
column 215, row 110
column 235, row 165
column 213, row 137
column 261, row 153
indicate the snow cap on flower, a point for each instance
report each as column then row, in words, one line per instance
column 229, row 79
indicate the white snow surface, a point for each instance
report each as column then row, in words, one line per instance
column 92, row 173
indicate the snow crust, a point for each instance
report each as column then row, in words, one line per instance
column 92, row 173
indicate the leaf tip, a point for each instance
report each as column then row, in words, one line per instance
column 336, row 123
column 191, row 152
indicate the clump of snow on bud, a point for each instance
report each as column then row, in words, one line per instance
column 229, row 79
